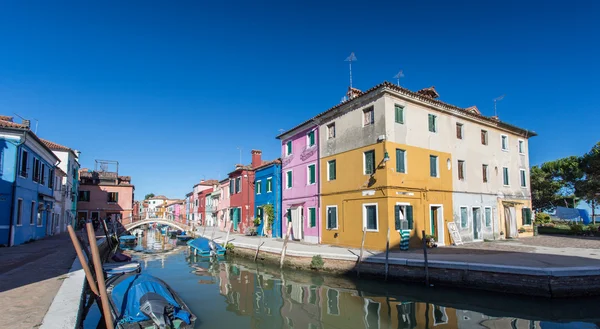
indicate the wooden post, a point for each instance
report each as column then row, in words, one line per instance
column 99, row 276
column 425, row 258
column 106, row 234
column 84, row 263
column 285, row 242
column 228, row 230
column 260, row 239
column 362, row 248
column 387, row 254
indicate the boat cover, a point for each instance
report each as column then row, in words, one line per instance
column 202, row 244
column 127, row 294
column 127, row 237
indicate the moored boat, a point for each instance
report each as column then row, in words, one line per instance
column 140, row 301
column 205, row 247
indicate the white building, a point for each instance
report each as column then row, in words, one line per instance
column 56, row 222
column 69, row 164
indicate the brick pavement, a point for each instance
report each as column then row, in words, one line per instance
column 30, row 276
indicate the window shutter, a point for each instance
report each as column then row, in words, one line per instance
column 400, row 161
column 397, row 217
column 312, row 174
column 313, row 217
column 409, row 216
column 433, row 166
column 369, row 162
column 116, row 196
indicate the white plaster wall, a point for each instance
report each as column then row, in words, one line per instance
column 471, row 200
column 349, row 131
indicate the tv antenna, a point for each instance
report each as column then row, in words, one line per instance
column 351, row 58
column 496, row 100
column 398, row 76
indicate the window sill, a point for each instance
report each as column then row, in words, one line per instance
column 269, row 191
column 520, row 153
column 310, row 184
column 506, row 185
column 504, row 150
column 332, row 229
column 372, row 230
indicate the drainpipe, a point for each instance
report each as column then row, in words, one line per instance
column 14, row 188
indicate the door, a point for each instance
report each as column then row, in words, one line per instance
column 297, row 223
column 436, row 214
column 477, row 224
column 510, row 221
column 236, row 218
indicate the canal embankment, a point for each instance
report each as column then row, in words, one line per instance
column 522, row 273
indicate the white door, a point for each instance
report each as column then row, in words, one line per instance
column 297, row 223
column 437, row 214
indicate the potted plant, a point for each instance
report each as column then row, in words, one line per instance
column 430, row 240
column 270, row 215
column 256, row 221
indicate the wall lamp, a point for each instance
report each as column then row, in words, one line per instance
column 386, row 157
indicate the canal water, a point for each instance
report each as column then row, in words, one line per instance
column 238, row 293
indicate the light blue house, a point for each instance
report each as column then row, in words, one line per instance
column 26, row 188
column 267, row 190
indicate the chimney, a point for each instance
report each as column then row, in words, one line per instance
column 256, row 158
column 26, row 123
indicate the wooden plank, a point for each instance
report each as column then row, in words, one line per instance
column 285, row 242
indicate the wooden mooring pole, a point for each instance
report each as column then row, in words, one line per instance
column 387, row 254
column 82, row 260
column 260, row 239
column 425, row 259
column 285, row 242
column 99, row 276
column 362, row 248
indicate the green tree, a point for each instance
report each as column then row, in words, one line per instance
column 588, row 188
column 544, row 189
column 149, row 196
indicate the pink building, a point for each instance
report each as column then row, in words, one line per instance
column 102, row 194
column 223, row 205
column 300, row 182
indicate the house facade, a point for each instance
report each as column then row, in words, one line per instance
column 202, row 191
column 301, row 182
column 212, row 203
column 103, row 194
column 27, row 184
column 69, row 164
column 390, row 159
column 267, row 191
column 57, row 218
column 223, row 205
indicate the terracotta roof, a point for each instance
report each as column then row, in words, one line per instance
column 268, row 163
column 9, row 124
column 415, row 95
column 429, row 92
column 209, row 182
column 162, row 197
column 54, row 146
column 6, row 118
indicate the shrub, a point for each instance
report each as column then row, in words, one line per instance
column 317, row 262
column 270, row 213
column 256, row 221
column 576, row 228
column 229, row 247
column 542, row 218
column 522, row 230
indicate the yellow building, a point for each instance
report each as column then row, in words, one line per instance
column 395, row 159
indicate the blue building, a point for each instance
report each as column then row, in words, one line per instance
column 267, row 190
column 26, row 183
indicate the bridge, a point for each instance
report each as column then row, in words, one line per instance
column 161, row 221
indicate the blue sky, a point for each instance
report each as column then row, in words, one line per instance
column 171, row 89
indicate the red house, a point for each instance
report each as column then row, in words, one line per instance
column 241, row 189
column 203, row 188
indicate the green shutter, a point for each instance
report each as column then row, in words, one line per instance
column 312, row 212
column 409, row 216
column 288, row 179
column 399, row 114
column 526, row 214
column 400, row 166
column 397, row 218
column 463, row 217
column 311, row 174
column 116, row 196
column 430, row 117
column 288, row 147
column 369, row 162
column 331, row 217
column 332, row 170
column 488, row 217
column 311, row 138
column 230, row 186
column 433, row 165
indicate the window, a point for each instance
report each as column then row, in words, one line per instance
column 459, row 130
column 399, row 113
column 461, row 169
column 370, row 216
column 433, row 166
column 258, row 186
column 372, row 316
column 526, row 213
column 24, row 156
column 43, row 174
column 39, row 218
column 332, row 220
column 83, row 196
column 369, row 162
column 288, row 148
column 523, row 178
column 464, row 217
column 488, row 216
column 432, row 123
column 521, row 146
column 32, row 213
column 403, row 217
column 288, row 179
column 331, row 170
column 504, row 142
column 238, row 184
column 312, row 217
column 505, row 176
column 484, row 172
column 51, row 178
column 368, row 118
column 36, row 170
column 331, row 131
column 311, row 174
column 231, row 187
column 484, row 137
column 333, row 302
column 310, row 138
column 400, row 161
column 20, row 211
column 269, row 185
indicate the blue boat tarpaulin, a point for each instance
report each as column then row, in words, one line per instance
column 567, row 213
column 127, row 294
column 202, row 245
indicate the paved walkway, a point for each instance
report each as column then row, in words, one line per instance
column 541, row 251
column 30, row 276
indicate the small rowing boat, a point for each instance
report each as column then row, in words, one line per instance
column 205, row 247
